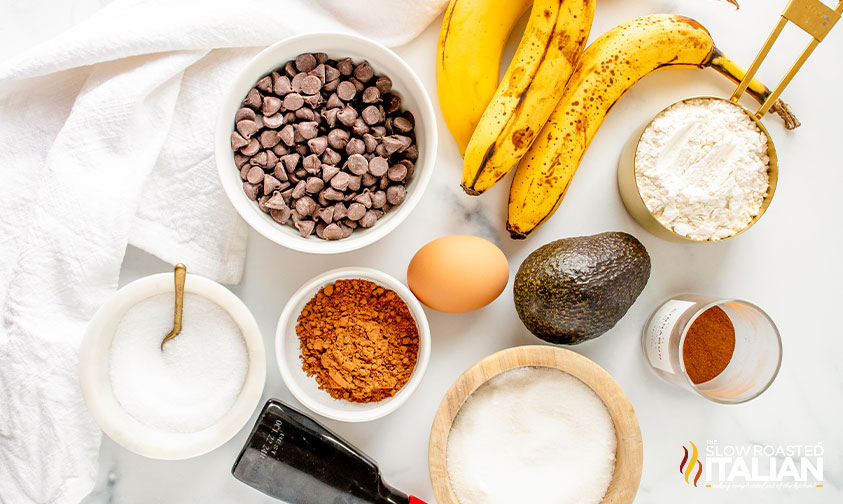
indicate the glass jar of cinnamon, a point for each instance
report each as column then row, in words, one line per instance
column 727, row 350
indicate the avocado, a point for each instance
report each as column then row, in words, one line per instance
column 575, row 289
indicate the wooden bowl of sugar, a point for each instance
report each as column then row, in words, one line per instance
column 535, row 419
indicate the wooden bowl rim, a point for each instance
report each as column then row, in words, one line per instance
column 629, row 453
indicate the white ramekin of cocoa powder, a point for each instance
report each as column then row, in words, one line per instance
column 352, row 344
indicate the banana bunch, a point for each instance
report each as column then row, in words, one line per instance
column 553, row 98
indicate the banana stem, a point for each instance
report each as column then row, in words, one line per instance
column 756, row 88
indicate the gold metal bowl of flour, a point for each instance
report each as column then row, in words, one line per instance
column 629, row 451
column 812, row 16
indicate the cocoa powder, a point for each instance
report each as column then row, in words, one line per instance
column 358, row 340
column 709, row 345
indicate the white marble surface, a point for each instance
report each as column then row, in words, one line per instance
column 789, row 264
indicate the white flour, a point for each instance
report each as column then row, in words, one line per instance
column 194, row 381
column 701, row 168
column 532, row 435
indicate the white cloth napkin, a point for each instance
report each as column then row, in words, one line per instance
column 106, row 139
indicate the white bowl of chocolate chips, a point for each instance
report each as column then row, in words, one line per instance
column 325, row 142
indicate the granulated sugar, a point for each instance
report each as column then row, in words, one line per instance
column 532, row 435
column 194, row 381
column 701, row 168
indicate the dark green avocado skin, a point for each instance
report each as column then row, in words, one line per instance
column 575, row 289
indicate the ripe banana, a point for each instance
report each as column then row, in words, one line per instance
column 608, row 68
column 553, row 41
column 468, row 59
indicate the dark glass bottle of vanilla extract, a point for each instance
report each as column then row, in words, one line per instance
column 292, row 458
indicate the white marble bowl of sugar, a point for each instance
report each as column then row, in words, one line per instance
column 535, row 424
column 192, row 397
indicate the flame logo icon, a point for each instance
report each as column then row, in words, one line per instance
column 687, row 466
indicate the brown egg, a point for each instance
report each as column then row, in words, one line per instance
column 458, row 274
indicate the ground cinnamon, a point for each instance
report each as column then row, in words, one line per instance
column 358, row 340
column 709, row 345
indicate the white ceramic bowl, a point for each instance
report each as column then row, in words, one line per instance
column 405, row 84
column 125, row 429
column 305, row 388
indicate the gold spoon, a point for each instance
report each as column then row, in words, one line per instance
column 180, row 271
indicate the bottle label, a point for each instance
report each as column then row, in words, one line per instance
column 657, row 335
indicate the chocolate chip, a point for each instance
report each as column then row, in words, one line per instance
column 280, row 215
column 305, row 227
column 333, row 232
column 354, row 183
column 331, row 73
column 306, row 114
column 331, row 86
column 371, row 95
column 330, row 116
column 281, row 149
column 319, row 73
column 274, row 121
column 293, row 101
column 370, row 142
column 281, row 85
column 244, row 113
column 280, row 172
column 371, row 115
column 346, row 90
column 308, row 130
column 368, row 179
column 332, row 194
column 252, row 148
column 328, row 172
column 402, row 125
column 357, row 164
column 276, row 202
column 359, row 127
column 326, row 214
column 369, row 219
column 384, row 84
column 251, row 190
column 378, row 166
column 310, row 85
column 240, row 160
column 338, row 138
column 271, row 160
column 331, row 157
column 363, row 72
column 317, row 145
column 391, row 103
column 312, row 164
column 237, row 140
column 305, row 62
column 355, row 146
column 314, row 185
column 290, row 69
column 391, row 144
column 247, row 128
column 297, row 81
column 253, row 99
column 269, row 139
column 412, row 152
column 299, row 190
column 340, row 211
column 397, row 172
column 340, row 181
column 265, row 84
column 358, row 86
column 356, row 211
column 395, row 194
column 320, row 57
column 259, row 159
column 271, row 105
column 270, row 184
column 345, row 66
column 347, row 115
column 291, row 161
